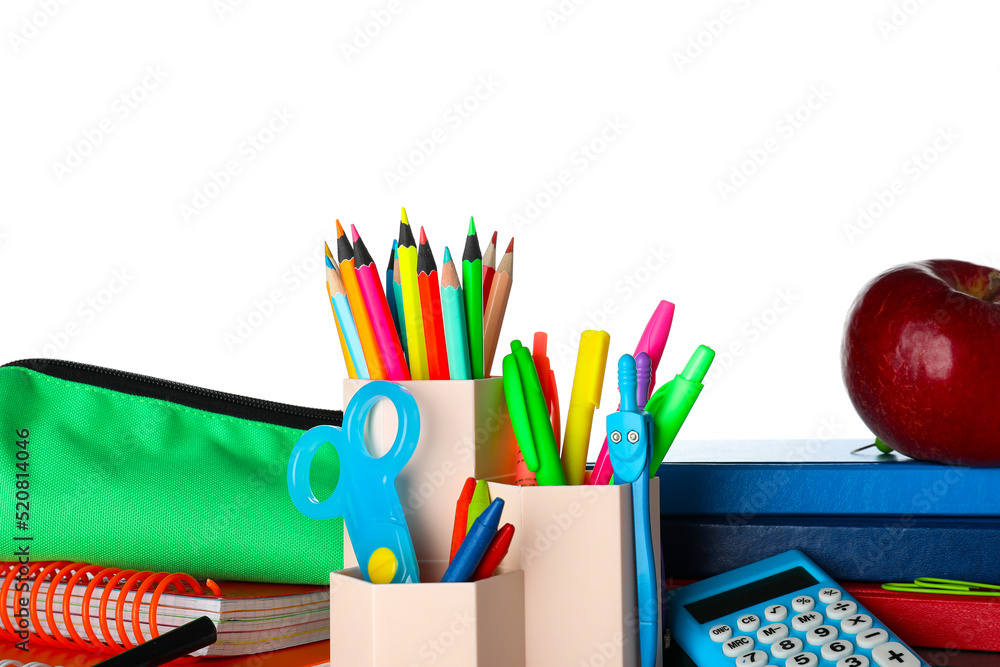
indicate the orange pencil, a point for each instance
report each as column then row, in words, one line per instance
column 369, row 344
column 496, row 307
column 462, row 516
column 489, row 268
column 430, row 310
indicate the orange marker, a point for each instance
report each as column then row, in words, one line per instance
column 369, row 344
column 462, row 516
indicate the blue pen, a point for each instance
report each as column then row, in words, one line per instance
column 630, row 438
column 475, row 544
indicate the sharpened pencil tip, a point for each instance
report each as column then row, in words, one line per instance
column 510, row 246
column 423, row 236
column 494, row 239
column 340, row 229
column 326, row 249
column 403, row 219
column 472, row 226
column 354, row 234
column 447, row 255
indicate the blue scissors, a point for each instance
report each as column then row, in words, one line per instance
column 366, row 491
column 630, row 446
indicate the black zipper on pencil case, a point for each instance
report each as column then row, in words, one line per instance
column 233, row 405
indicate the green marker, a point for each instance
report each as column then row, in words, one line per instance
column 472, row 286
column 529, row 416
column 672, row 403
column 480, row 501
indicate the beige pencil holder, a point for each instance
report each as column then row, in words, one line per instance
column 477, row 624
column 576, row 546
column 464, row 432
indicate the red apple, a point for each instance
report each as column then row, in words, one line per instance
column 921, row 360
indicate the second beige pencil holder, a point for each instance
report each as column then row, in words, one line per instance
column 576, row 546
column 464, row 432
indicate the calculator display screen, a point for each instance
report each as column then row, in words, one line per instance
column 749, row 595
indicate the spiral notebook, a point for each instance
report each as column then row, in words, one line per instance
column 251, row 617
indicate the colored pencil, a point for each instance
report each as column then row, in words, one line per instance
column 378, row 311
column 430, row 311
column 369, row 344
column 462, row 516
column 390, row 292
column 496, row 307
column 494, row 553
column 472, row 284
column 489, row 268
column 411, row 300
column 353, row 355
column 397, row 292
column 453, row 314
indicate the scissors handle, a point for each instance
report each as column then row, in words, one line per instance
column 299, row 466
column 407, row 425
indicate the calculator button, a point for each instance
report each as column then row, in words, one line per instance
column 776, row 613
column 786, row 648
column 720, row 633
column 853, row 661
column 737, row 646
column 748, row 623
column 803, row 603
column 872, row 638
column 804, row 659
column 752, row 658
column 772, row 633
column 837, row 649
column 807, row 621
column 894, row 654
column 852, row 625
column 828, row 595
column 821, row 635
column 842, row 609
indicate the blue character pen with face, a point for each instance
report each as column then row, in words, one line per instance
column 630, row 439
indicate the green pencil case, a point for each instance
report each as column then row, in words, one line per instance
column 125, row 470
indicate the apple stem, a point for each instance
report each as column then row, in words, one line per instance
column 994, row 289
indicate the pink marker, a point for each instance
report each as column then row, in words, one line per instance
column 652, row 342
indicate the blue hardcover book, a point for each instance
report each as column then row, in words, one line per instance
column 742, row 479
column 847, row 548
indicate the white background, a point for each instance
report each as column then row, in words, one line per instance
column 694, row 90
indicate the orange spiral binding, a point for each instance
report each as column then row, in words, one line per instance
column 74, row 573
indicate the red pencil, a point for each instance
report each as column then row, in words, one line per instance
column 430, row 310
column 494, row 553
column 489, row 268
column 462, row 516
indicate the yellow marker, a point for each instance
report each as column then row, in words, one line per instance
column 382, row 566
column 586, row 397
column 480, row 501
column 412, row 313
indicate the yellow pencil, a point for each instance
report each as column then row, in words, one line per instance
column 411, row 301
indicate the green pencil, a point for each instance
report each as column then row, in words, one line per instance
column 472, row 284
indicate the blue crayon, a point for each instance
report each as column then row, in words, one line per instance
column 475, row 544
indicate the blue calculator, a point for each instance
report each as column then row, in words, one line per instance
column 783, row 610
